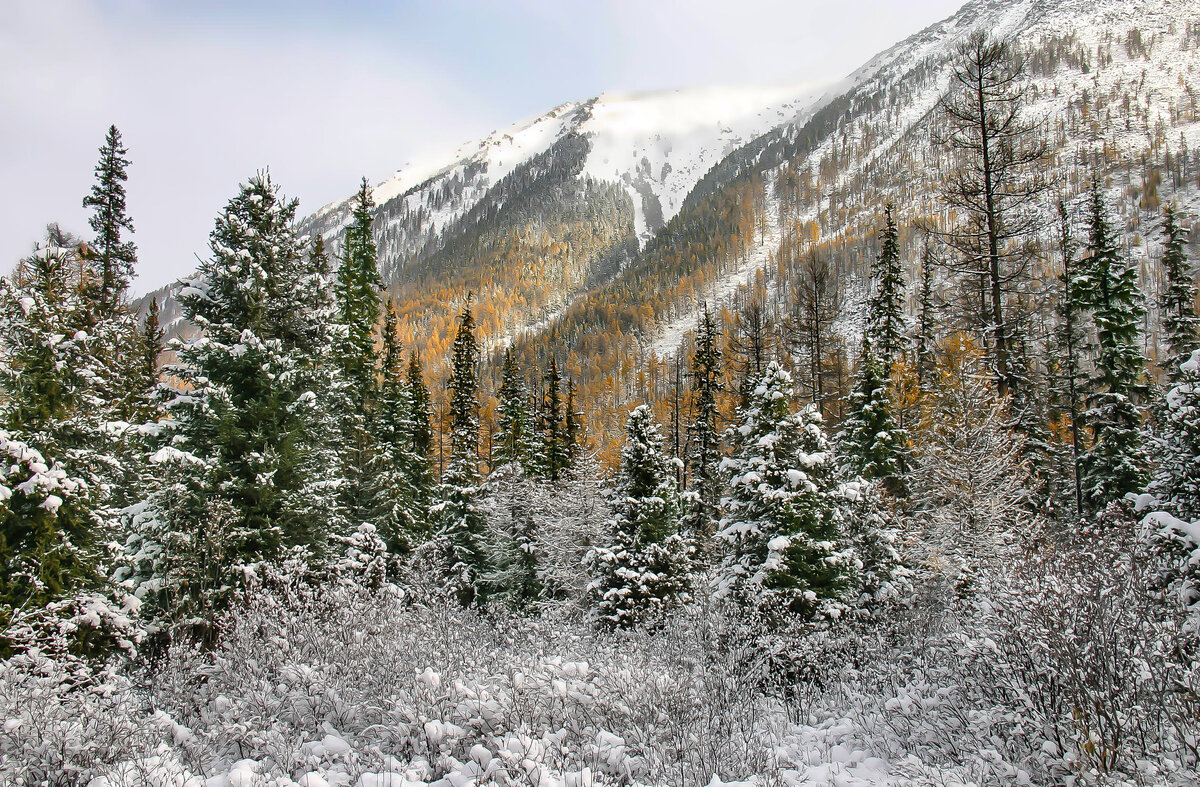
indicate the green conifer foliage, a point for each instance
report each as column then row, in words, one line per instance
column 1116, row 463
column 885, row 308
column 461, row 523
column 247, row 473
column 1178, row 301
column 781, row 523
column 515, row 438
column 704, row 498
column 114, row 256
column 645, row 570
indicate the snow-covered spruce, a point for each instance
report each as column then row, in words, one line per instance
column 643, row 570
column 785, row 552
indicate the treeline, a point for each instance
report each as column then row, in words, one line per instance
column 295, row 430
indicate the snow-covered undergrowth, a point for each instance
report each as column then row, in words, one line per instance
column 1065, row 668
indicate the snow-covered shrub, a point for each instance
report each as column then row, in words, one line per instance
column 347, row 682
column 65, row 722
column 538, row 536
column 1064, row 665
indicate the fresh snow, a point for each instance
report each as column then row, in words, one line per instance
column 659, row 145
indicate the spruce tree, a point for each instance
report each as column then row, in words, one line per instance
column 461, row 523
column 359, row 307
column 1176, row 480
column 359, row 302
column 390, row 491
column 871, row 444
column 885, row 307
column 704, row 498
column 247, row 473
column 573, row 430
column 926, row 342
column 555, row 456
column 418, row 397
column 113, row 255
column 515, row 426
column 1070, row 343
column 1178, row 302
column 644, row 571
column 781, row 523
column 515, row 504
column 1116, row 463
column 53, row 511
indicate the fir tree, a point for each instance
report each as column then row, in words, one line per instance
column 871, row 443
column 359, row 307
column 114, row 256
column 644, row 571
column 461, row 523
column 247, row 471
column 781, row 524
column 389, row 489
column 1177, row 302
column 359, row 303
column 1070, row 345
column 53, row 512
column 1176, row 480
column 926, row 340
column 515, row 440
column 418, row 396
column 885, row 308
column 1116, row 463
column 419, row 437
column 704, row 459
column 514, row 503
column 555, row 456
column 573, row 429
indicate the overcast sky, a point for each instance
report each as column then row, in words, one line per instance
column 207, row 91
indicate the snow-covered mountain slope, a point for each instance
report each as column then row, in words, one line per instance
column 656, row 145
column 1112, row 79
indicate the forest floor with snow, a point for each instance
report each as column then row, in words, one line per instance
column 1051, row 670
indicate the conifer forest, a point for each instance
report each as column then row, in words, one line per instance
column 862, row 452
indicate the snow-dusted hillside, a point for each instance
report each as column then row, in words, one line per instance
column 871, row 143
column 657, row 145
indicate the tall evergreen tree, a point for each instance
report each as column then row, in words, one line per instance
column 1178, row 301
column 53, row 511
column 250, row 477
column 704, row 460
column 555, row 457
column 644, row 571
column 515, row 439
column 419, row 438
column 872, row 445
column 1176, row 480
column 390, row 491
column 359, row 302
column 573, row 429
column 885, row 308
column 461, row 523
column 926, row 341
column 359, row 306
column 1070, row 343
column 781, row 514
column 113, row 255
column 1116, row 463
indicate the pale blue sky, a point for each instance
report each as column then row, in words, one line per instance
column 325, row 92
